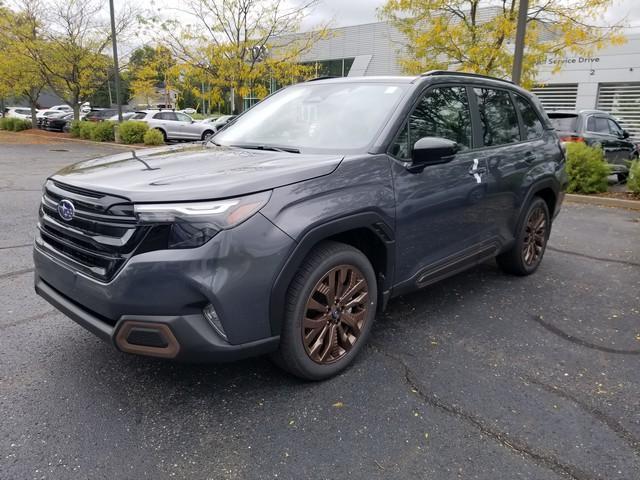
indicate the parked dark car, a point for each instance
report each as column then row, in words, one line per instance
column 57, row 124
column 595, row 127
column 219, row 123
column 290, row 229
column 100, row 115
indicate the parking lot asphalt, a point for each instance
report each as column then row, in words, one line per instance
column 482, row 376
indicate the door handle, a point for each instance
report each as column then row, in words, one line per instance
column 477, row 168
column 529, row 157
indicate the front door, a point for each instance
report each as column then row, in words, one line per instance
column 441, row 210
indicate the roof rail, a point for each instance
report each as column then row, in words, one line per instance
column 462, row 74
column 326, row 77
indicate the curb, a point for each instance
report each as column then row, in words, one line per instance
column 603, row 201
column 89, row 142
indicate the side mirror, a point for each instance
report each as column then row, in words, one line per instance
column 433, row 150
column 625, row 134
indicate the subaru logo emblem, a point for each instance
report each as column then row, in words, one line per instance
column 66, row 210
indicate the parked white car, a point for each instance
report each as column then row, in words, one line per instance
column 189, row 111
column 218, row 122
column 18, row 112
column 61, row 108
column 175, row 125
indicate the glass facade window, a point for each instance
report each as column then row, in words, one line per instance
column 339, row 67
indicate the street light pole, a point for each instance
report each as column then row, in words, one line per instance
column 115, row 59
column 518, row 53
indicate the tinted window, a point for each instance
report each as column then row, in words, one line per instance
column 530, row 121
column 139, row 116
column 498, row 118
column 24, row 112
column 598, row 125
column 442, row 112
column 614, row 128
column 563, row 122
column 165, row 116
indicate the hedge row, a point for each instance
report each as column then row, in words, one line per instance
column 128, row 132
column 14, row 124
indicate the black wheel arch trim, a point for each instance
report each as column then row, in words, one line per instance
column 310, row 238
column 536, row 187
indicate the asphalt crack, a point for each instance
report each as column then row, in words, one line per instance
column 579, row 341
column 599, row 415
column 543, row 459
column 15, row 273
column 9, row 247
column 591, row 257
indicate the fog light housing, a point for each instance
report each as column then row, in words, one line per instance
column 212, row 317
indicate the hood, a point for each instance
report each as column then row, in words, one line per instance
column 194, row 172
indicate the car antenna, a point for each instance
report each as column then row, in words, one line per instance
column 135, row 157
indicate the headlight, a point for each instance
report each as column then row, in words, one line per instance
column 192, row 224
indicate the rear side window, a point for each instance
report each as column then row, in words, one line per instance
column 165, row 116
column 24, row 112
column 498, row 118
column 598, row 125
column 442, row 112
column 563, row 122
column 530, row 121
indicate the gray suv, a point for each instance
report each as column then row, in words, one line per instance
column 288, row 230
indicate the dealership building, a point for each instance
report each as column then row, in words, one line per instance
column 609, row 80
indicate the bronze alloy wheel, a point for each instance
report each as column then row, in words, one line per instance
column 535, row 236
column 335, row 314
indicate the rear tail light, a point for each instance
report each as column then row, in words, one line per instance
column 572, row 139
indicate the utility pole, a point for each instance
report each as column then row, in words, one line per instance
column 518, row 53
column 115, row 59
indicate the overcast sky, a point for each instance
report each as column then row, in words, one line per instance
column 354, row 12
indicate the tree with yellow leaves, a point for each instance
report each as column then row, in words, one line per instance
column 477, row 35
column 243, row 46
column 19, row 74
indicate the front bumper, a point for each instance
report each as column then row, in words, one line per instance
column 167, row 290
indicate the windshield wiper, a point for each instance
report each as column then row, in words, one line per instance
column 272, row 148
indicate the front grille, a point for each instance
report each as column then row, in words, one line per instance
column 102, row 235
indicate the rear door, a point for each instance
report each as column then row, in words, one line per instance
column 509, row 151
column 441, row 210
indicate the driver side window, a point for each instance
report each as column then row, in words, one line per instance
column 442, row 112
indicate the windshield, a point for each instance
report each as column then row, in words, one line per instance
column 330, row 117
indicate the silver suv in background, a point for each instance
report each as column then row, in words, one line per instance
column 175, row 125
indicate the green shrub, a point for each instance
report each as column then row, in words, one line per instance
column 6, row 123
column 103, row 132
column 74, row 129
column 14, row 124
column 633, row 182
column 20, row 124
column 586, row 169
column 86, row 129
column 153, row 137
column 132, row 131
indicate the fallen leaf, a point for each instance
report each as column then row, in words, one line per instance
column 338, row 405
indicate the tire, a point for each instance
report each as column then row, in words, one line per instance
column 207, row 134
column 321, row 351
column 622, row 177
column 524, row 257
